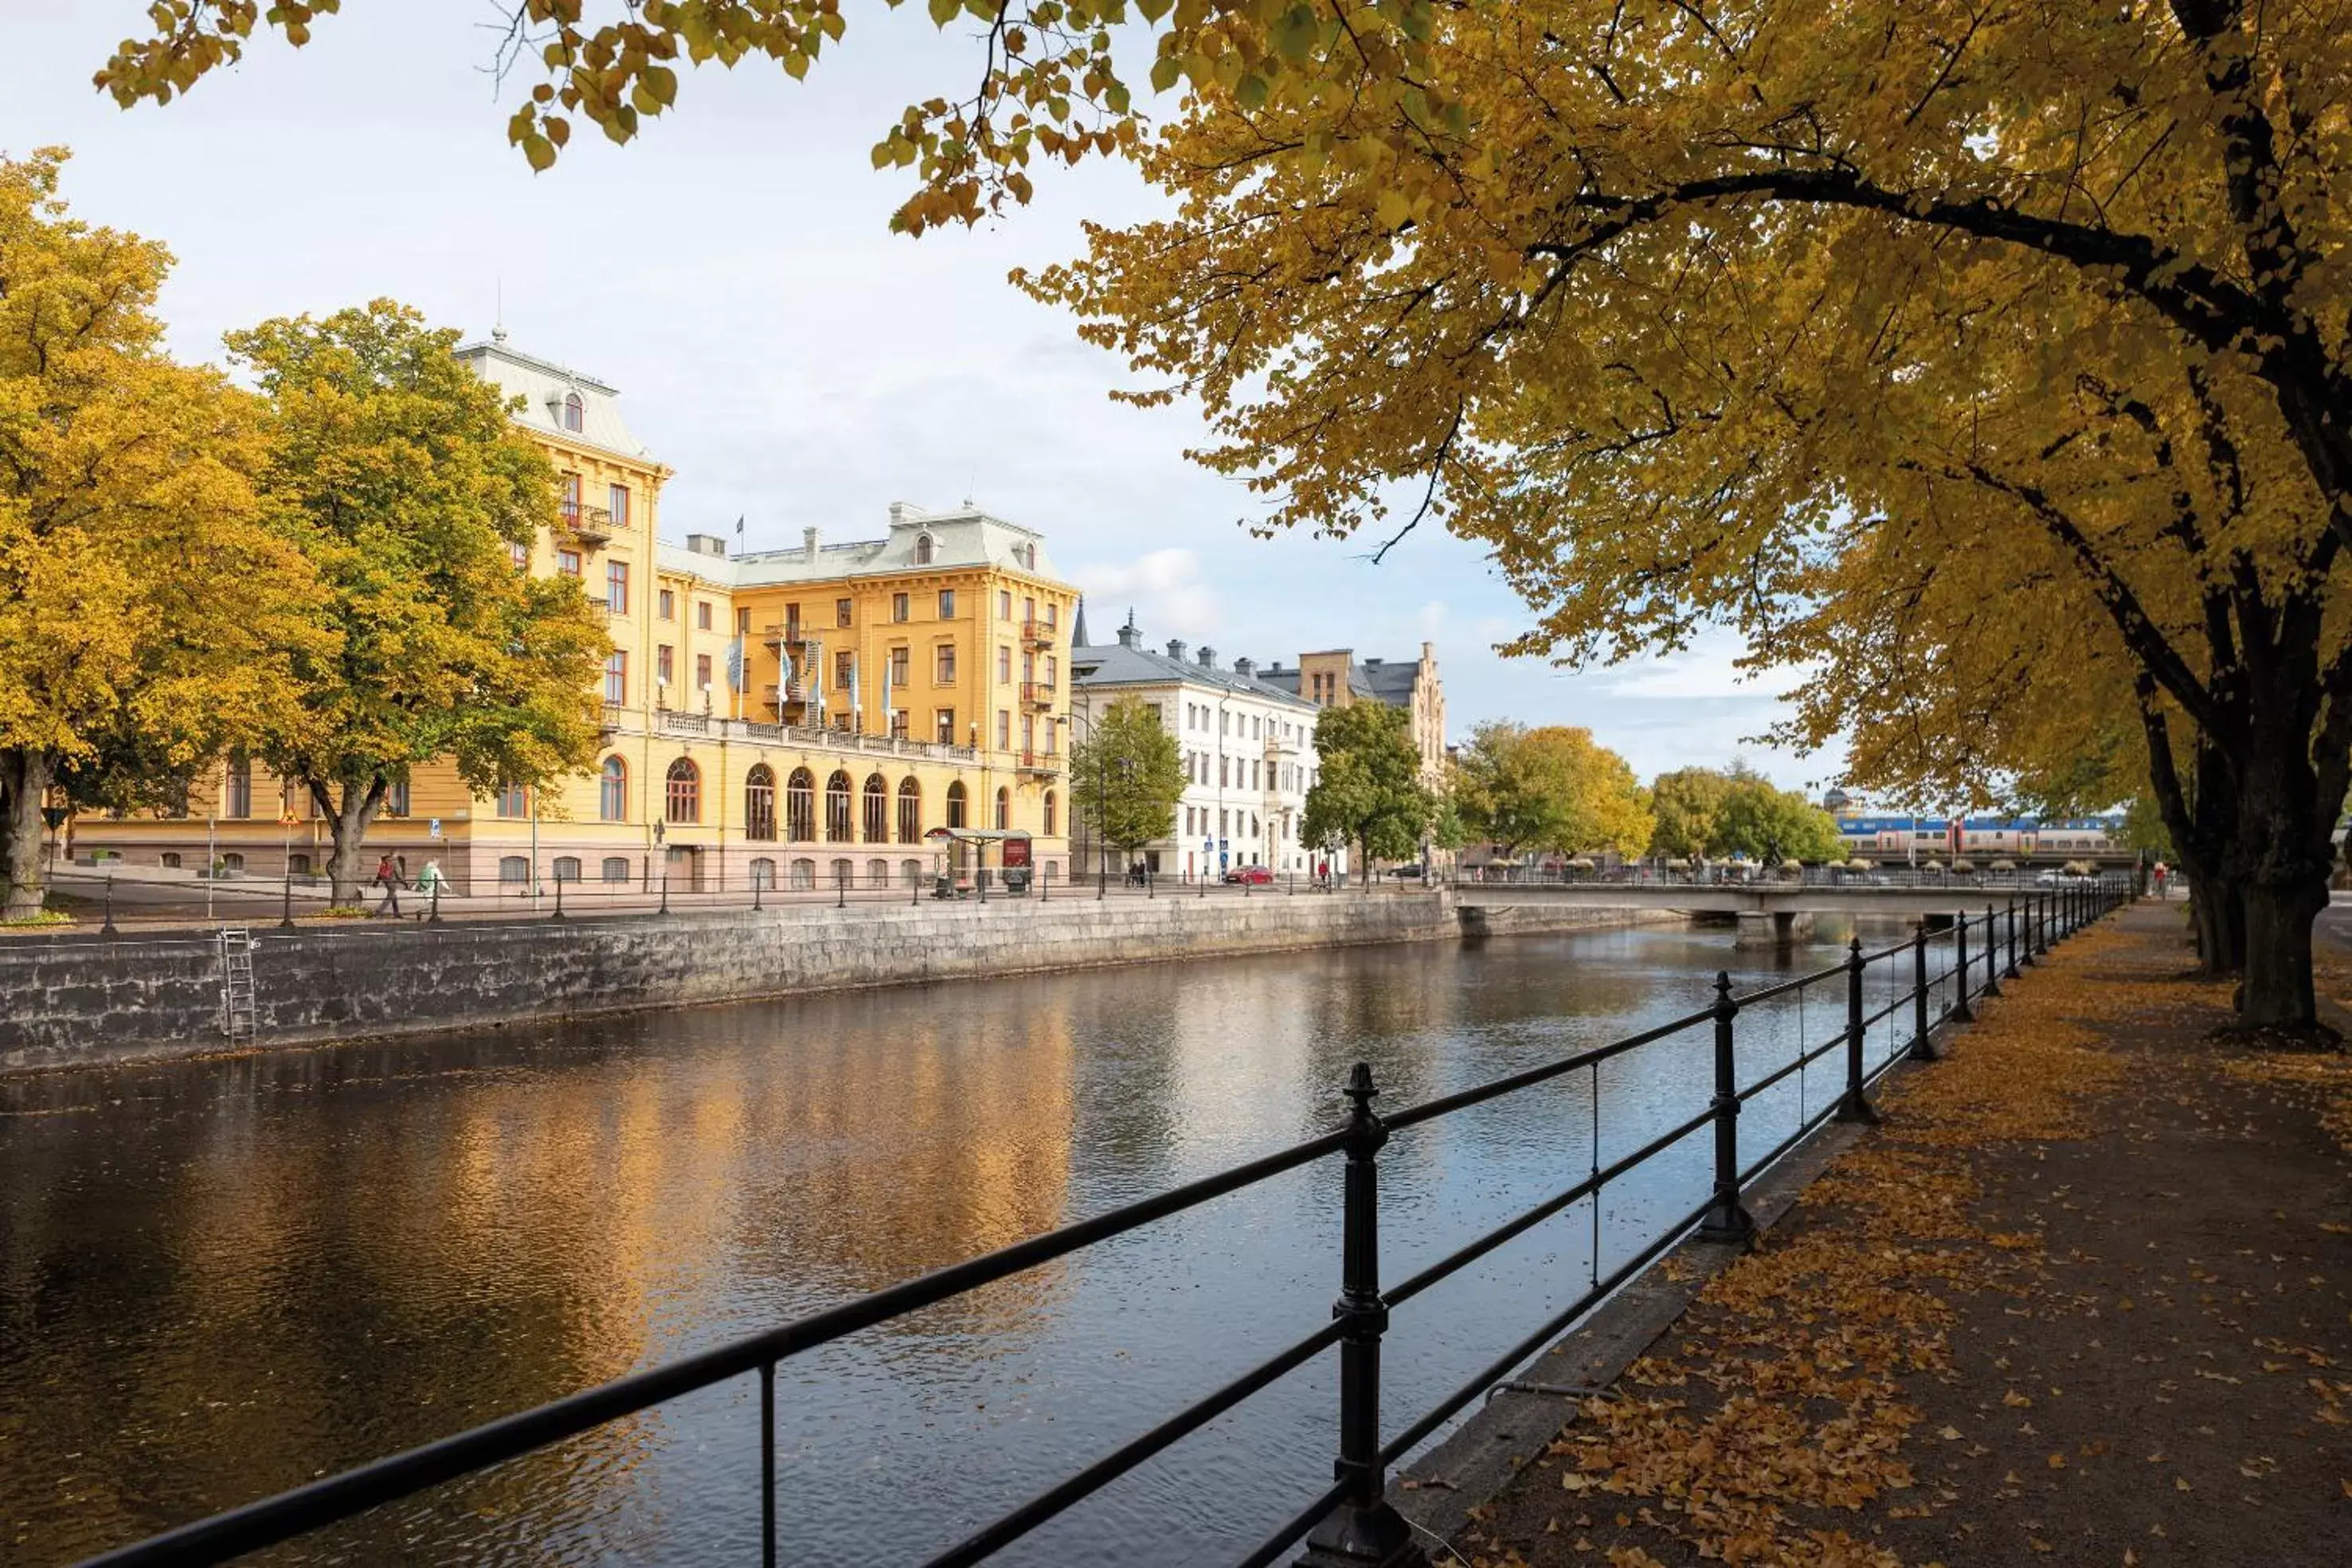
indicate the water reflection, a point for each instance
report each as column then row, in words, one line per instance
column 220, row 1279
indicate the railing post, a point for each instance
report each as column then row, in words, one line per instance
column 286, row 910
column 2010, row 973
column 108, row 928
column 1854, row 1105
column 2037, row 925
column 1728, row 1220
column 1361, row 1530
column 664, row 895
column 758, row 882
column 434, row 918
column 841, row 890
column 558, row 899
column 1922, row 1049
column 1961, row 1011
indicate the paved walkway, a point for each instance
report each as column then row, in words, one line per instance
column 2086, row 1299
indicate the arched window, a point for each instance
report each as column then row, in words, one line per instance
column 1050, row 813
column 298, row 864
column 877, row 811
column 760, row 804
column 171, row 859
column 836, row 808
column 910, row 812
column 1003, row 809
column 955, row 804
column 613, row 791
column 232, row 861
column 238, row 794
column 800, row 805
column 911, row 873
column 922, row 549
column 513, row 869
column 616, row 868
column 685, row 794
column 567, row 868
column 763, row 872
column 805, row 873
column 844, row 874
column 574, row 410
column 877, row 873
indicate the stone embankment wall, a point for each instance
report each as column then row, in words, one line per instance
column 71, row 1000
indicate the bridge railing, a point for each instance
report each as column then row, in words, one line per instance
column 1352, row 1519
column 1921, row 878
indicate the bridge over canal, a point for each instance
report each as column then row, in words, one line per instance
column 1766, row 912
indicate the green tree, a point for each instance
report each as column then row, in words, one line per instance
column 1685, row 802
column 1549, row 789
column 147, row 605
column 1368, row 791
column 410, row 485
column 1126, row 777
column 1767, row 824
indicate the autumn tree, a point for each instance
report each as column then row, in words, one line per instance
column 1550, row 788
column 1126, row 777
column 1683, row 804
column 1763, row 823
column 1368, row 791
column 411, row 486
column 147, row 605
column 1668, row 302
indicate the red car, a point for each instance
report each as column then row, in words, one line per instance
column 1253, row 875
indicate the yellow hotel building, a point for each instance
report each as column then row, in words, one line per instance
column 791, row 717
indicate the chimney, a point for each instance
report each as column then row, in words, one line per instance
column 1129, row 636
column 706, row 543
column 1175, row 649
column 1245, row 668
column 808, row 542
column 1208, row 657
column 902, row 513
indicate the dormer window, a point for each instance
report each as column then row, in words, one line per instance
column 574, row 410
column 922, row 549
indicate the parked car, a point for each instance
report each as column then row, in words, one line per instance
column 1252, row 876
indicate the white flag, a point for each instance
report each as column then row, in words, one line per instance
column 856, row 696
column 889, row 706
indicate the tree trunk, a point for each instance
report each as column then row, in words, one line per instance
column 24, row 782
column 348, row 821
column 2279, row 861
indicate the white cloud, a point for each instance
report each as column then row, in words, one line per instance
column 1709, row 669
column 1164, row 588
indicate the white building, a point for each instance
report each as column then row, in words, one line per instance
column 1248, row 749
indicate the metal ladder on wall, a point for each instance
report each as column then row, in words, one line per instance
column 237, row 983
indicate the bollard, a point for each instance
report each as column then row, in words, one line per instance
column 108, row 929
column 1961, row 1011
column 1362, row 1527
column 1854, row 1105
column 286, row 909
column 1922, row 1048
column 1728, row 1220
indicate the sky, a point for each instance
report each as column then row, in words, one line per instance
column 732, row 273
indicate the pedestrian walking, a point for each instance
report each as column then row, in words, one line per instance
column 429, row 881
column 387, row 876
column 2162, row 871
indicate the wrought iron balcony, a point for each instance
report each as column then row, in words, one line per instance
column 1036, row 634
column 1037, row 696
column 590, row 525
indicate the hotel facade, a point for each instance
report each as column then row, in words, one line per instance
column 787, row 719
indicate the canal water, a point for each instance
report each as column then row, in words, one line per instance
column 220, row 1279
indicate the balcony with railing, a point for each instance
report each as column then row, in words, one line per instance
column 589, row 526
column 674, row 721
column 1042, row 763
column 1036, row 634
column 1037, row 696
column 790, row 635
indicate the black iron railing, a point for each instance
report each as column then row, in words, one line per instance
column 1351, row 1519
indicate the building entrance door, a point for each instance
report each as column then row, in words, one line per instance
column 682, row 864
